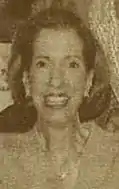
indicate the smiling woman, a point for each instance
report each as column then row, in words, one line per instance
column 63, row 77
column 57, row 51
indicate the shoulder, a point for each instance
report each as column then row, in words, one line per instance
column 113, row 178
column 110, row 143
column 12, row 148
column 16, row 144
column 10, row 151
column 108, row 132
column 101, row 158
column 102, row 143
column 10, row 143
column 7, row 154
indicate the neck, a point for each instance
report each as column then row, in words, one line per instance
column 58, row 139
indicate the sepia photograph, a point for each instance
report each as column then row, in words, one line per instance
column 59, row 94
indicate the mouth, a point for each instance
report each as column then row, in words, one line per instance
column 57, row 100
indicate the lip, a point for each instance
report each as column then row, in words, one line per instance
column 56, row 100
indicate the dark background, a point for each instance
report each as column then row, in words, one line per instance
column 12, row 12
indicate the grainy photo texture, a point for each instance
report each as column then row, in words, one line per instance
column 59, row 93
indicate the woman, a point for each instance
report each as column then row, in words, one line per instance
column 58, row 53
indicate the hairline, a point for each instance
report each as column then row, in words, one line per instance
column 57, row 27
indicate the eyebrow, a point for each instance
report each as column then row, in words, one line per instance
column 75, row 56
column 48, row 58
column 41, row 56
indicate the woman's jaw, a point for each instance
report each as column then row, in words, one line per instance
column 58, row 133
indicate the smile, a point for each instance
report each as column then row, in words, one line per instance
column 56, row 101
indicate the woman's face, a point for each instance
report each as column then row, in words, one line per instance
column 58, row 75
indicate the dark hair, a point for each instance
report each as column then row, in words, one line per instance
column 22, row 46
column 53, row 18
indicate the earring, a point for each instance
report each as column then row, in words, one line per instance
column 26, row 83
column 86, row 95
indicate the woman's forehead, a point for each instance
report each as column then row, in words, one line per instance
column 57, row 42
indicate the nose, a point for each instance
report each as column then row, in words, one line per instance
column 56, row 77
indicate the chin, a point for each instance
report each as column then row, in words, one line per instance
column 54, row 116
column 58, row 115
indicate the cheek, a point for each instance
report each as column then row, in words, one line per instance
column 77, row 82
column 39, row 82
column 38, row 88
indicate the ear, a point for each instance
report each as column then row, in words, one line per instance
column 89, row 82
column 26, row 83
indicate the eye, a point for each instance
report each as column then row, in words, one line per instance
column 41, row 64
column 74, row 64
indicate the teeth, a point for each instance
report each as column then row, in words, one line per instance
column 56, row 99
column 53, row 100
